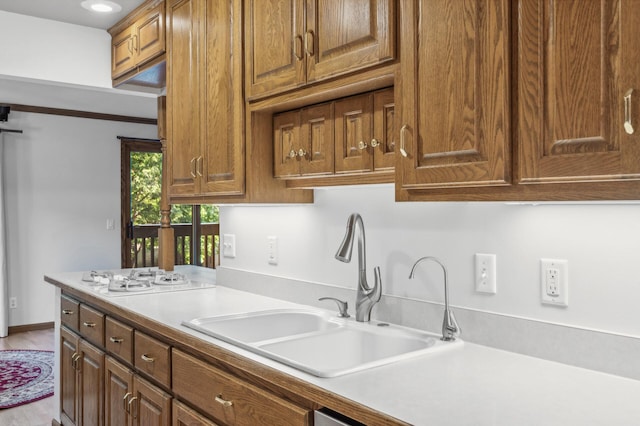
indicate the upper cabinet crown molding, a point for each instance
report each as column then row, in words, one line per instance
column 291, row 43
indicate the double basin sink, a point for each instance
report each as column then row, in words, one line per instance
column 317, row 342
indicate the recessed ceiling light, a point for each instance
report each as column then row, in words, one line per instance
column 102, row 6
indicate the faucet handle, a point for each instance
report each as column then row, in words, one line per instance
column 342, row 306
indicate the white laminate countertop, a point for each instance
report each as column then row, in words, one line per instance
column 469, row 385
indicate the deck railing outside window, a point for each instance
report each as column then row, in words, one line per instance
column 144, row 245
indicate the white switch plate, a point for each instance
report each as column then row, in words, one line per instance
column 554, row 281
column 229, row 245
column 272, row 250
column 111, row 224
column 485, row 273
column 13, row 302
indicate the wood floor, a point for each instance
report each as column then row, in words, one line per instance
column 39, row 413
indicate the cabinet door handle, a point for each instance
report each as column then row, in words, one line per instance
column 302, row 153
column 193, row 167
column 292, row 154
column 125, row 401
column 135, row 407
column 199, row 165
column 308, row 45
column 362, row 145
column 374, row 142
column 89, row 324
column 135, row 42
column 403, row 131
column 224, row 402
column 130, row 45
column 67, row 312
column 116, row 339
column 297, row 48
column 628, row 125
column 74, row 360
column 147, row 358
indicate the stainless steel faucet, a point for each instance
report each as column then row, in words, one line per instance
column 366, row 296
column 450, row 328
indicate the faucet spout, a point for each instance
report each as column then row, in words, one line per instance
column 450, row 328
column 366, row 296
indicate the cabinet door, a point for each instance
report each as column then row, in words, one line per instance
column 118, row 387
column 184, row 416
column 576, row 61
column 122, row 53
column 222, row 170
column 275, row 58
column 149, row 39
column 343, row 36
column 384, row 135
column 353, row 121
column 183, row 97
column 452, row 94
column 316, row 132
column 287, row 144
column 68, row 376
column 151, row 405
column 91, row 391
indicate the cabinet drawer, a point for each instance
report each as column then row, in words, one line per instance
column 69, row 312
column 92, row 325
column 153, row 358
column 228, row 399
column 119, row 339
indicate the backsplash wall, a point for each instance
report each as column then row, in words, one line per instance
column 600, row 241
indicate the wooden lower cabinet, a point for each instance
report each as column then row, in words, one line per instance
column 185, row 416
column 82, row 381
column 130, row 400
column 228, row 399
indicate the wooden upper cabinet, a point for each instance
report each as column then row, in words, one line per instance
column 452, row 94
column 576, row 63
column 138, row 39
column 304, row 141
column 205, row 106
column 293, row 42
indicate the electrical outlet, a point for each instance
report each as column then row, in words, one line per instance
column 229, row 245
column 13, row 302
column 485, row 276
column 272, row 250
column 554, row 281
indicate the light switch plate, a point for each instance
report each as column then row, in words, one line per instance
column 485, row 273
column 229, row 245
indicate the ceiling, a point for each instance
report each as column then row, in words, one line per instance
column 69, row 11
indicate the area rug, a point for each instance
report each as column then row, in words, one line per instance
column 25, row 376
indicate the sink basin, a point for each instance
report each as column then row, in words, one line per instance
column 254, row 327
column 318, row 343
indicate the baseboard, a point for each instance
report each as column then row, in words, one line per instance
column 30, row 327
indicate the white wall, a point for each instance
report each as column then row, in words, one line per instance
column 62, row 179
column 52, row 51
column 600, row 241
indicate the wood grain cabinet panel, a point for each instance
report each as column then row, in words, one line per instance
column 291, row 43
column 184, row 416
column 205, row 104
column 304, row 142
column 576, row 62
column 230, row 400
column 453, row 94
column 153, row 358
column 119, row 339
column 137, row 43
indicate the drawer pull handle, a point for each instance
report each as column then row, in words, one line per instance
column 223, row 401
column 116, row 339
column 67, row 312
column 89, row 324
column 146, row 358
